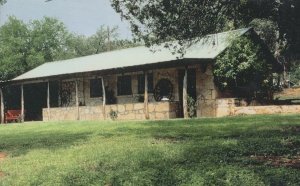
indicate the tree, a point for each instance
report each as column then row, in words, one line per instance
column 268, row 31
column 25, row 46
column 105, row 39
column 14, row 48
column 2, row 2
column 157, row 21
column 288, row 19
column 243, row 65
column 49, row 37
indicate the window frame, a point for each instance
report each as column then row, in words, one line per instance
column 123, row 83
column 94, row 93
column 141, row 83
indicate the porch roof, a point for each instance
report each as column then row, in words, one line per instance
column 208, row 47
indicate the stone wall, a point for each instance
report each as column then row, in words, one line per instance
column 228, row 107
column 206, row 92
column 131, row 111
column 225, row 107
column 205, row 89
column 282, row 109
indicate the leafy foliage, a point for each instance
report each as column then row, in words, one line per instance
column 242, row 64
column 113, row 114
column 49, row 37
column 295, row 73
column 2, row 2
column 156, row 21
column 25, row 46
column 105, row 39
column 192, row 107
column 268, row 31
column 14, row 49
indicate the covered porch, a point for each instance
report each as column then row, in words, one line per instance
column 130, row 94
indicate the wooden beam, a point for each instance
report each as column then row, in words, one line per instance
column 104, row 98
column 77, row 99
column 22, row 103
column 146, row 100
column 185, row 95
column 83, row 90
column 48, row 101
column 2, row 106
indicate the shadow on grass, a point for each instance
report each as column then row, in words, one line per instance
column 189, row 153
column 21, row 143
column 210, row 155
column 178, row 152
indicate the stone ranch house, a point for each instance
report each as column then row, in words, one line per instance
column 131, row 84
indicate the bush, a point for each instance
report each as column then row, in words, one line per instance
column 242, row 66
column 113, row 115
column 192, row 107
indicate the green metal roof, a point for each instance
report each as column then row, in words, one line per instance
column 209, row 47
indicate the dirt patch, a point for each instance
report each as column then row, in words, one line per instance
column 2, row 156
column 279, row 161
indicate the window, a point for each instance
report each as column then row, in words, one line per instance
column 124, row 85
column 141, row 83
column 96, row 88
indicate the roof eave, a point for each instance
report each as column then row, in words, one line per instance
column 153, row 66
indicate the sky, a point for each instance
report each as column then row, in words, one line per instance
column 80, row 16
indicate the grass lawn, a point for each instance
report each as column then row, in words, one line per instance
column 256, row 150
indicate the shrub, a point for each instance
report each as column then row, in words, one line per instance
column 192, row 107
column 113, row 115
column 243, row 66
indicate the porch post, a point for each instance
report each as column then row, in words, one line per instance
column 22, row 103
column 104, row 98
column 77, row 99
column 185, row 95
column 146, row 96
column 48, row 101
column 2, row 106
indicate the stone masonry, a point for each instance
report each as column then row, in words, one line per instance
column 229, row 107
column 131, row 111
column 128, row 107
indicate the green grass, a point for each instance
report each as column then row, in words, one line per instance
column 175, row 152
